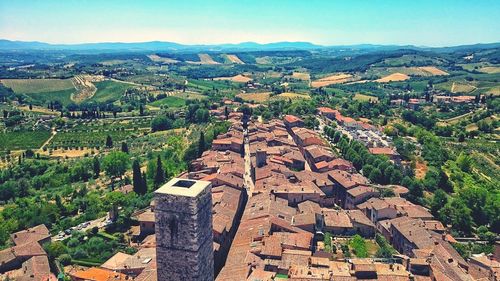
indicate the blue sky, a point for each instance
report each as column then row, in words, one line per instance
column 329, row 22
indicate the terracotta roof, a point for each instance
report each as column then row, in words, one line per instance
column 337, row 218
column 147, row 216
column 357, row 216
column 309, row 207
column 360, row 190
column 383, row 151
column 116, row 262
column 34, row 234
column 292, row 119
column 346, row 179
column 36, row 269
column 327, row 110
column 99, row 274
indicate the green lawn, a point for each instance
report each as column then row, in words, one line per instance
column 22, row 140
column 361, row 97
column 109, row 91
column 63, row 96
column 170, row 101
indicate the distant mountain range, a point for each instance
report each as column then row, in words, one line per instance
column 244, row 46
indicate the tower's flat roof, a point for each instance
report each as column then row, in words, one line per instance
column 183, row 187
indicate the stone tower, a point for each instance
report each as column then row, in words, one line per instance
column 260, row 158
column 183, row 216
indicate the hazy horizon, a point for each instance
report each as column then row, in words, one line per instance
column 195, row 22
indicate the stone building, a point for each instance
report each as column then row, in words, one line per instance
column 184, row 237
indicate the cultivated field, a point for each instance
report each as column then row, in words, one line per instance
column 238, row 78
column 234, row 59
column 461, row 87
column 263, row 60
column 170, row 101
column 393, row 77
column 332, row 79
column 109, row 91
column 206, row 59
column 301, row 76
column 23, row 140
column 85, row 89
column 32, row 86
column 157, row 58
column 113, row 62
column 494, row 91
column 490, row 69
column 292, row 96
column 433, row 70
column 482, row 67
column 361, row 97
column 256, row 97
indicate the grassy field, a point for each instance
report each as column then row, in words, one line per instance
column 31, row 86
column 482, row 67
column 189, row 95
column 63, row 96
column 170, row 101
column 109, row 91
column 205, row 85
column 23, row 140
column 361, row 97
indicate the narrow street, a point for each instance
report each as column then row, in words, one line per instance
column 248, row 164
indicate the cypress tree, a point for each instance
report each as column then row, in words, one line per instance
column 144, row 182
column 97, row 167
column 137, row 178
column 160, row 174
column 109, row 141
column 124, row 147
column 201, row 144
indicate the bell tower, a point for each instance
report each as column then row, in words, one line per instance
column 184, row 241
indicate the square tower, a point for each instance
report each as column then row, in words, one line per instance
column 184, row 238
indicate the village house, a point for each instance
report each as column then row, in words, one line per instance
column 327, row 112
column 305, row 137
column 483, row 267
column 342, row 182
column 358, row 195
column 27, row 255
column 391, row 153
column 292, row 121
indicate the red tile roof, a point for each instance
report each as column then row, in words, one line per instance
column 292, row 119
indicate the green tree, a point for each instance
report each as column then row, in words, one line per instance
column 124, row 147
column 109, row 142
column 358, row 245
column 375, row 176
column 160, row 174
column 201, row 144
column 55, row 249
column 464, row 162
column 327, row 241
column 161, row 123
column 439, row 200
column 97, row 167
column 116, row 163
column 456, row 213
column 144, row 182
column 137, row 180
